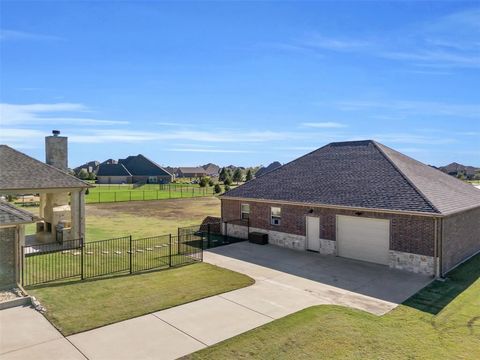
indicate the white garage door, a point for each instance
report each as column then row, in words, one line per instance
column 363, row 239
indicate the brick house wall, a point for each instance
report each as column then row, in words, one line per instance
column 461, row 238
column 7, row 256
column 408, row 233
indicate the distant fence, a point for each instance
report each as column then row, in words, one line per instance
column 82, row 260
column 141, row 195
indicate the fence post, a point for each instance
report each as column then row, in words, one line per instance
column 114, row 196
column 131, row 254
column 225, row 233
column 130, row 193
column 170, row 191
column 170, row 250
column 81, row 259
column 144, row 195
column 208, row 237
column 23, row 265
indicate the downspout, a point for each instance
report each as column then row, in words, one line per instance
column 435, row 248
column 441, row 248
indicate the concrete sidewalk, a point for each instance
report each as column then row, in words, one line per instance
column 286, row 281
column 26, row 334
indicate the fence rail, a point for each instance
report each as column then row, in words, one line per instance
column 82, row 260
column 141, row 195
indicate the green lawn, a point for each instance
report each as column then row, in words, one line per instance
column 442, row 321
column 78, row 306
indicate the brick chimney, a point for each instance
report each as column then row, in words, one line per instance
column 56, row 150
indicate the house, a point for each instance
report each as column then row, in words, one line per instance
column 62, row 196
column 191, row 172
column 456, row 169
column 133, row 169
column 365, row 201
column 89, row 167
column 211, row 170
column 12, row 233
column 263, row 170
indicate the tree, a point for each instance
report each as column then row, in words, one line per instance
column 83, row 174
column 217, row 189
column 223, row 174
column 92, row 176
column 203, row 182
column 228, row 181
column 249, row 175
column 227, row 187
column 211, row 182
column 238, row 175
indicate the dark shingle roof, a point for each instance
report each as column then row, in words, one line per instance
column 192, row 170
column 9, row 214
column 19, row 171
column 112, row 170
column 263, row 170
column 139, row 165
column 362, row 174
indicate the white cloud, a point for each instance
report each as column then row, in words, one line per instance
column 6, row 34
column 400, row 107
column 38, row 114
column 324, row 125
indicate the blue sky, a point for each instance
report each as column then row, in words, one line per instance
column 242, row 83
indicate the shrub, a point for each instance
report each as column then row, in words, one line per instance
column 227, row 187
column 217, row 189
column 249, row 175
column 228, row 181
column 211, row 182
column 238, row 175
column 203, row 182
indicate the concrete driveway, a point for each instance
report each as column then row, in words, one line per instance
column 286, row 281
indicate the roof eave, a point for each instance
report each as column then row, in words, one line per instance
column 343, row 207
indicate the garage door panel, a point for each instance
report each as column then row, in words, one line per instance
column 363, row 238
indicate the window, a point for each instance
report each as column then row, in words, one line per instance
column 245, row 211
column 276, row 215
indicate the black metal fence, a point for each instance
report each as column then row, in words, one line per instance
column 218, row 233
column 78, row 259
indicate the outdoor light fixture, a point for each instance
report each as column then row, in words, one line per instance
column 358, row 213
column 310, row 211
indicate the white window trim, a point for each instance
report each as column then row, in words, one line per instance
column 241, row 211
column 277, row 217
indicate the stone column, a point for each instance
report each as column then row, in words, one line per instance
column 74, row 211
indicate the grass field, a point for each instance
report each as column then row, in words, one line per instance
column 142, row 218
column 126, row 192
column 441, row 321
column 83, row 305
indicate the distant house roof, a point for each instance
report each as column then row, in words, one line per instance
column 362, row 174
column 10, row 215
column 192, row 170
column 263, row 170
column 21, row 172
column 140, row 165
column 211, row 169
column 112, row 170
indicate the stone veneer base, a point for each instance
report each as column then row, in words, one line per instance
column 416, row 263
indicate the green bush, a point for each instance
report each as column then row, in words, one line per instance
column 217, row 189
column 228, row 181
column 203, row 182
column 227, row 187
column 211, row 182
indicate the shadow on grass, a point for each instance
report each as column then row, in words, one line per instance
column 434, row 297
column 77, row 280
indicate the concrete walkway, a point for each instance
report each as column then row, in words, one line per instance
column 286, row 281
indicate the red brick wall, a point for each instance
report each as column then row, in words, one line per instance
column 412, row 234
column 461, row 237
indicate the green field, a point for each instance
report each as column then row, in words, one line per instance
column 127, row 192
column 83, row 305
column 442, row 321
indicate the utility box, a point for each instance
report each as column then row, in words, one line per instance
column 258, row 238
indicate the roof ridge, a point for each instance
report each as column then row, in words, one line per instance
column 414, row 187
column 128, row 171
column 50, row 166
column 154, row 163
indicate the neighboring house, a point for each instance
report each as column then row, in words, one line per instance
column 211, row 170
column 90, row 167
column 191, row 172
column 12, row 237
column 456, row 169
column 113, row 174
column 133, row 169
column 365, row 201
column 62, row 196
column 263, row 170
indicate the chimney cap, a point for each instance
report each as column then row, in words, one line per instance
column 56, row 132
